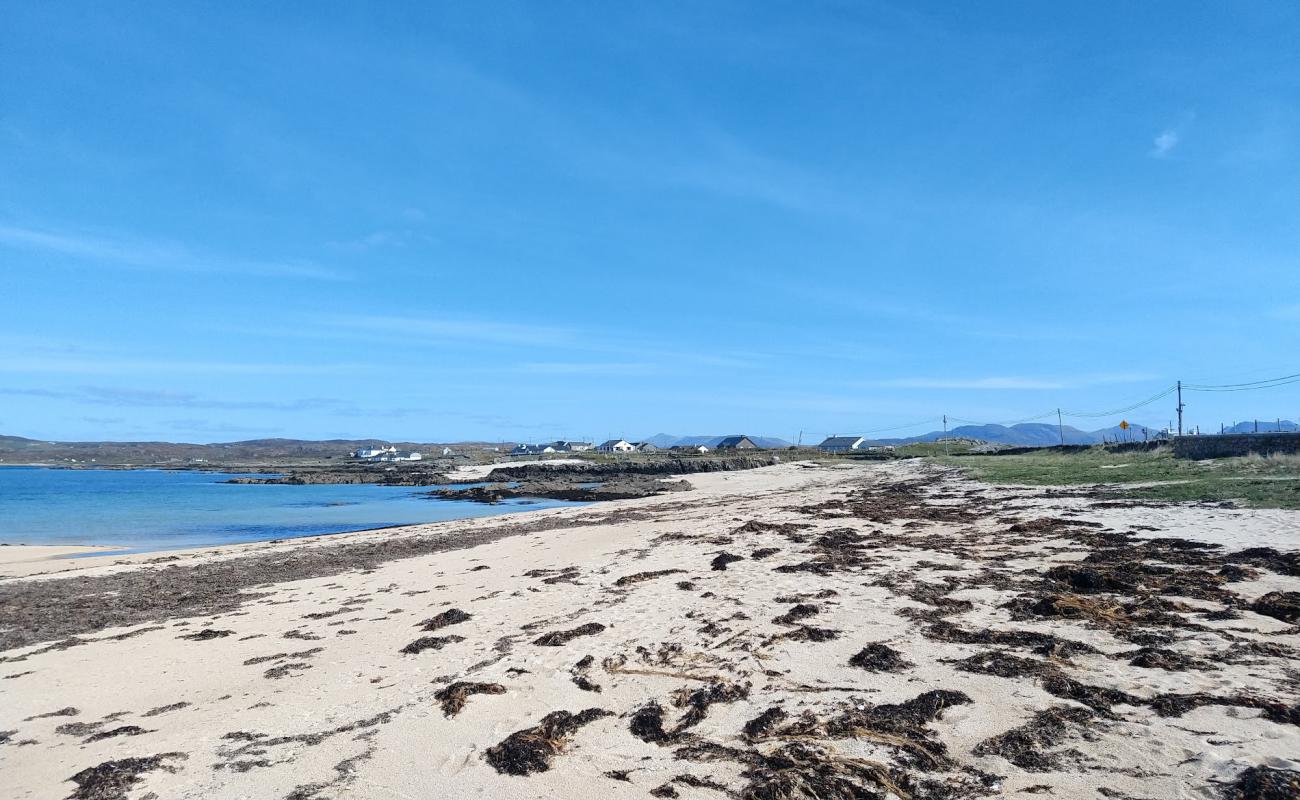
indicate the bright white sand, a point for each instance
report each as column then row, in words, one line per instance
column 39, row 554
column 353, row 717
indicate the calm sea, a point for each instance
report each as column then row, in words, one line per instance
column 142, row 510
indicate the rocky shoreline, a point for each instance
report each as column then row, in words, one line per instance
column 360, row 474
column 587, row 481
column 592, row 481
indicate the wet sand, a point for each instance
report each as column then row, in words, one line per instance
column 792, row 631
column 36, row 558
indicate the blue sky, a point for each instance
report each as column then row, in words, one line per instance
column 522, row 221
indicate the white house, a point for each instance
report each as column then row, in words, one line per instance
column 616, row 446
column 399, row 455
column 372, row 452
column 841, row 444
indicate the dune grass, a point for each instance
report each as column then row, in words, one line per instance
column 1253, row 481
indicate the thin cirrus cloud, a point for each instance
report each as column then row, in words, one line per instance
column 434, row 329
column 125, row 397
column 134, row 253
column 80, row 365
column 1008, row 383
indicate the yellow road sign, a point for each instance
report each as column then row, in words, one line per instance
column 1124, row 425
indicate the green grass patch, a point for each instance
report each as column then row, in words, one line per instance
column 1254, row 481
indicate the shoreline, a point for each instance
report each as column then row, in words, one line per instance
column 817, row 626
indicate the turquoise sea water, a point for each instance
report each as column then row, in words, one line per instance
column 141, row 510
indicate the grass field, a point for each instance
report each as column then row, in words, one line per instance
column 1254, row 481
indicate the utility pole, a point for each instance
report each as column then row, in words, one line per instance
column 1180, row 408
column 1060, row 426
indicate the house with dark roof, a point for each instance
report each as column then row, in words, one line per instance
column 615, row 446
column 841, row 444
column 736, row 443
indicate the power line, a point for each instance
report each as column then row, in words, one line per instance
column 1268, row 383
column 930, row 421
column 1095, row 414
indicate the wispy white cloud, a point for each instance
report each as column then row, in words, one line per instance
column 1009, row 382
column 1165, row 142
column 82, row 365
column 588, row 367
column 445, row 329
column 209, row 427
column 118, row 251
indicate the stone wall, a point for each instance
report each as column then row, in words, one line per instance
column 1235, row 444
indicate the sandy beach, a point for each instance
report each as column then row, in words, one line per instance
column 797, row 631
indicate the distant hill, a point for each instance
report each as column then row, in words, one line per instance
column 1026, row 434
column 668, row 440
column 1265, row 426
column 19, row 450
column 1135, row 433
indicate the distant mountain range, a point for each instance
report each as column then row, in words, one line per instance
column 1039, row 434
column 668, row 440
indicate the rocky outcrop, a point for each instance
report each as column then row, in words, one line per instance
column 594, row 470
column 375, row 475
column 617, row 488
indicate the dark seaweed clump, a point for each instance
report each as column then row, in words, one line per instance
column 111, row 780
column 454, row 696
column 560, row 638
column 124, row 730
column 430, row 643
column 804, row 772
column 647, row 724
column 877, row 657
column 764, row 723
column 796, row 613
column 452, row 616
column 206, row 635
column 1028, row 746
column 1279, row 605
column 579, row 674
column 1264, row 783
column 531, row 750
column 628, row 580
column 722, row 560
column 697, row 702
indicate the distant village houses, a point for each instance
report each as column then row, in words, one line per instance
column 645, row 447
column 615, row 446
column 385, row 454
column 689, row 448
column 550, row 447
